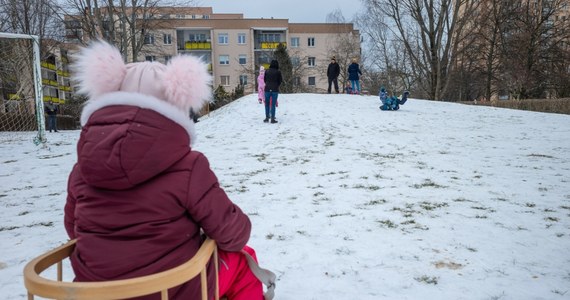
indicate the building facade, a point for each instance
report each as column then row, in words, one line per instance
column 235, row 47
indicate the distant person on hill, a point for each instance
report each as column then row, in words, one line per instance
column 393, row 102
column 354, row 76
column 140, row 198
column 332, row 74
column 272, row 80
column 261, row 85
column 51, row 111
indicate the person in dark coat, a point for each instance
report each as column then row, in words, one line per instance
column 51, row 111
column 140, row 198
column 272, row 80
column 354, row 76
column 332, row 74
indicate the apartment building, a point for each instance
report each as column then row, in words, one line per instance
column 235, row 47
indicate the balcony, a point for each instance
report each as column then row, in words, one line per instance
column 201, row 45
column 271, row 45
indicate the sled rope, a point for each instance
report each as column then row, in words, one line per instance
column 265, row 276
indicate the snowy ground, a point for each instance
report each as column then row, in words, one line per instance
column 435, row 201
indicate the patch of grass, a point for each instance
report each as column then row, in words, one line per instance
column 551, row 219
column 269, row 236
column 427, row 183
column 370, row 187
column 303, row 173
column 427, row 279
column 540, row 155
column 261, row 157
column 8, row 228
column 528, row 204
column 9, row 161
column 483, row 208
column 388, row 223
column 461, row 199
column 431, row 206
column 339, row 215
column 561, row 293
column 375, row 202
column 449, row 265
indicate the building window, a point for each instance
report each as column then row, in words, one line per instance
column 224, row 59
column 243, row 79
column 148, row 39
column 295, row 42
column 270, row 37
column 150, row 58
column 167, row 58
column 297, row 81
column 311, row 42
column 167, row 38
column 311, row 62
column 295, row 61
column 225, row 80
column 223, row 38
column 241, row 38
column 242, row 59
column 197, row 37
column 312, row 81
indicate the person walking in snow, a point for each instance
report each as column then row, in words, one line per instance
column 354, row 76
column 332, row 74
column 51, row 111
column 139, row 196
column 261, row 85
column 272, row 80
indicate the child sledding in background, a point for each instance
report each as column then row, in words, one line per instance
column 348, row 88
column 392, row 102
column 139, row 197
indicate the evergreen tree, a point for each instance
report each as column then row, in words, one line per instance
column 286, row 67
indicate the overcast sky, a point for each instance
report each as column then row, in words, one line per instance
column 297, row 11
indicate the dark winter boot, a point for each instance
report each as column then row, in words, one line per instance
column 273, row 120
column 266, row 120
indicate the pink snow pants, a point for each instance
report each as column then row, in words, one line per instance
column 236, row 281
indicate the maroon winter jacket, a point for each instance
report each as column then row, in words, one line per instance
column 138, row 196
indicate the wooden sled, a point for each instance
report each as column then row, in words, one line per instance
column 116, row 289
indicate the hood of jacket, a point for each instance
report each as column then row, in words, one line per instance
column 128, row 138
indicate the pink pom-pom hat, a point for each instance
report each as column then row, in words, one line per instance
column 184, row 82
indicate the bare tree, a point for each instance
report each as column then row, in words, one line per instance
column 536, row 49
column 431, row 33
column 127, row 24
column 37, row 18
column 388, row 64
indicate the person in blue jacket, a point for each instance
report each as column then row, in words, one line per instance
column 354, row 76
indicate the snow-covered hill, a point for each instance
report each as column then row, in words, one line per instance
column 435, row 201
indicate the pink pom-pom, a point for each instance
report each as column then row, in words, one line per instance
column 98, row 69
column 187, row 83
